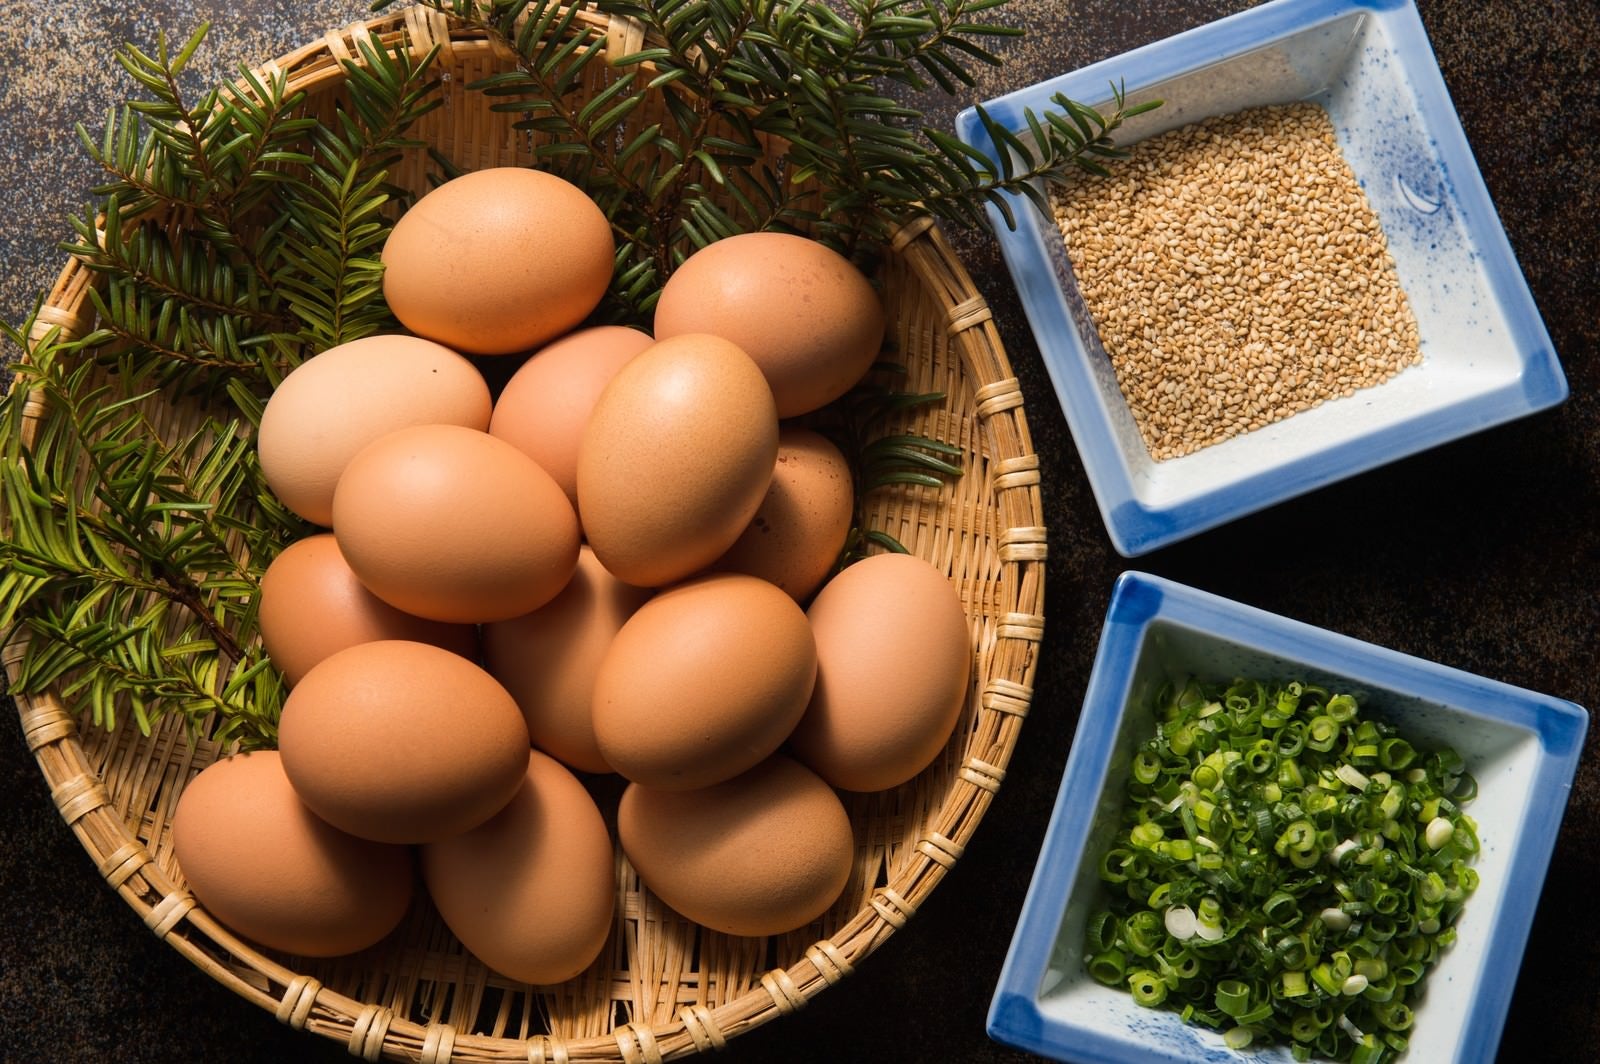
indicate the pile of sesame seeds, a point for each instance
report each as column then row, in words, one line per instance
column 1237, row 275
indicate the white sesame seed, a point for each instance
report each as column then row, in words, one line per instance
column 1216, row 238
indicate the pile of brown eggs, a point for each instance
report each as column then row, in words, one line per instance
column 619, row 565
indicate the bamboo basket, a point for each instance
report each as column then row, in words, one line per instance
column 663, row 988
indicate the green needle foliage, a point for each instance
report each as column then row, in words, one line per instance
column 861, row 424
column 238, row 232
column 123, row 557
column 739, row 75
column 237, row 235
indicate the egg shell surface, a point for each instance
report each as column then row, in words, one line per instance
column 809, row 318
column 894, row 654
column 796, row 535
column 548, row 659
column 498, row 260
column 268, row 868
column 545, row 405
column 703, row 682
column 530, row 892
column 675, row 459
column 402, row 742
column 335, row 403
column 312, row 605
column 766, row 852
column 454, row 525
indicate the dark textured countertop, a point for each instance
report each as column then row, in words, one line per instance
column 1483, row 554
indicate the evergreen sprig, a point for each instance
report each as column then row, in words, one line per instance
column 125, row 559
column 333, row 280
column 237, row 234
column 867, row 425
column 738, row 76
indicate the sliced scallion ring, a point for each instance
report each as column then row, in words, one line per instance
column 1287, row 870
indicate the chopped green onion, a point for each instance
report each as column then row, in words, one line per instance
column 1286, row 870
column 1146, row 767
column 1257, row 1014
column 1438, row 833
column 1341, row 708
column 1335, row 919
column 1281, row 909
column 1101, row 931
column 1142, row 932
column 1208, row 923
column 1305, row 1026
column 1367, row 1051
column 1353, row 776
column 1148, row 988
column 1395, row 754
column 1108, row 967
column 1181, row 923
column 1322, row 734
column 1396, row 1016
column 1146, row 835
column 1232, row 996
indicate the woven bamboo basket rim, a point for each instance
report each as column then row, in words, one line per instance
column 112, row 787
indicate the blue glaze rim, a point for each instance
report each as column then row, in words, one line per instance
column 1136, row 527
column 1138, row 600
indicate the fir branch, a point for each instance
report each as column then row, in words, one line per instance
column 124, row 556
column 332, row 278
column 868, row 425
column 237, row 235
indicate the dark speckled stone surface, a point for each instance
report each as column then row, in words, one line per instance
column 1484, row 554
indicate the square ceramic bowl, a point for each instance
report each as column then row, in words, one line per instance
column 1486, row 357
column 1522, row 747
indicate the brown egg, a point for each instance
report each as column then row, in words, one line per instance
column 498, row 260
column 531, row 891
column 331, row 406
column 809, row 318
column 454, row 525
column 264, row 865
column 676, row 459
column 548, row 659
column 893, row 657
column 796, row 536
column 402, row 742
column 312, row 605
column 546, row 403
column 766, row 852
column 703, row 682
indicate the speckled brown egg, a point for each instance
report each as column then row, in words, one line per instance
column 548, row 659
column 531, row 891
column 766, row 852
column 264, row 865
column 703, row 681
column 312, row 605
column 454, row 525
column 796, row 536
column 894, row 655
column 546, row 403
column 336, row 403
column 498, row 260
column 402, row 742
column 676, row 458
column 808, row 317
